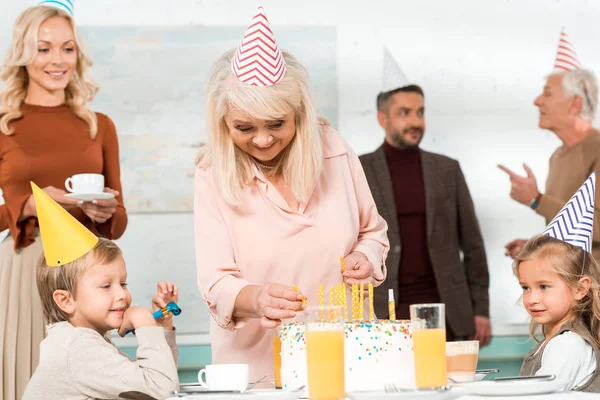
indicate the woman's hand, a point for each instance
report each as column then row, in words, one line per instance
column 166, row 292
column 277, row 302
column 270, row 302
column 358, row 269
column 58, row 195
column 100, row 211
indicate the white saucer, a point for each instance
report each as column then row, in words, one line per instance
column 408, row 394
column 90, row 196
column 252, row 393
column 512, row 388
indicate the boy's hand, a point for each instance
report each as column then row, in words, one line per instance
column 166, row 292
column 136, row 317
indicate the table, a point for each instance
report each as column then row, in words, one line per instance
column 280, row 395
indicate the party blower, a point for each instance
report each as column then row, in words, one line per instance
column 170, row 307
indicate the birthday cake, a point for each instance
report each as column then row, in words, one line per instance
column 376, row 353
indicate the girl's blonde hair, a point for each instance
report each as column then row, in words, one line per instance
column 22, row 51
column 49, row 279
column 571, row 263
column 232, row 168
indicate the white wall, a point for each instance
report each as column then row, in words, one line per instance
column 481, row 64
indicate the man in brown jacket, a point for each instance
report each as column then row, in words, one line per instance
column 436, row 249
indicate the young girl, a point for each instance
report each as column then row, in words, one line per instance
column 561, row 293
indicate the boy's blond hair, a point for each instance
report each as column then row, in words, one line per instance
column 50, row 278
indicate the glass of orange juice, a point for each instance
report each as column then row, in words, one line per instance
column 277, row 357
column 428, row 323
column 325, row 352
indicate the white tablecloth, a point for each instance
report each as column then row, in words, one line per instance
column 279, row 395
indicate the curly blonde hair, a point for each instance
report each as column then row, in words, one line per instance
column 23, row 50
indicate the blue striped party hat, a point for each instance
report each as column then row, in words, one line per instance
column 65, row 5
column 574, row 224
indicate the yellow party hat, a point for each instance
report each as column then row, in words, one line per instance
column 63, row 237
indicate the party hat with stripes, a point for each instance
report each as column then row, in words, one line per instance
column 566, row 58
column 65, row 5
column 258, row 61
column 574, row 224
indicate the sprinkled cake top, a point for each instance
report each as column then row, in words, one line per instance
column 294, row 332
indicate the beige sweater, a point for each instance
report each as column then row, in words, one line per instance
column 569, row 168
column 78, row 363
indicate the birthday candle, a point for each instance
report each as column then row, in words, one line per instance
column 391, row 304
column 331, row 296
column 343, row 264
column 352, row 305
column 361, row 299
column 343, row 289
column 354, row 301
column 321, row 295
column 371, row 306
column 321, row 301
column 298, row 291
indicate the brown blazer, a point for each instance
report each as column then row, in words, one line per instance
column 454, row 239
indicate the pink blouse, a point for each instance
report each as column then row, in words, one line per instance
column 273, row 243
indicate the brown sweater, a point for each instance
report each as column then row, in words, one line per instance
column 569, row 168
column 49, row 145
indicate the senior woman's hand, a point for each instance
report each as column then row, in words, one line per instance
column 358, row 269
column 270, row 302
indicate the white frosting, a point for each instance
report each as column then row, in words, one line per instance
column 375, row 353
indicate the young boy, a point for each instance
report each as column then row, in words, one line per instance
column 82, row 284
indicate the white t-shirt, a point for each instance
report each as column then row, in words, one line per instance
column 570, row 358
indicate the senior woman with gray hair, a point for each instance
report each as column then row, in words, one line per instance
column 567, row 107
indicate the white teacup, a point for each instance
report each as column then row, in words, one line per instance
column 224, row 377
column 85, row 183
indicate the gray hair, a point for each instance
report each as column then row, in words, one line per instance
column 582, row 83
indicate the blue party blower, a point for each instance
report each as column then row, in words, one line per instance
column 171, row 307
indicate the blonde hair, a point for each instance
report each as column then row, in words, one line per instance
column 232, row 168
column 571, row 263
column 23, row 50
column 49, row 279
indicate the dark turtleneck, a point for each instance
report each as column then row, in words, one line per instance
column 415, row 277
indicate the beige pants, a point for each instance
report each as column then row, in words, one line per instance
column 22, row 325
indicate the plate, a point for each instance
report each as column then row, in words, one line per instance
column 405, row 394
column 253, row 393
column 512, row 388
column 90, row 196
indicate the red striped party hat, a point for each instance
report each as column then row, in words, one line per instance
column 258, row 60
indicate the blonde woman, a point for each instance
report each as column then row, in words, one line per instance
column 279, row 197
column 47, row 134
